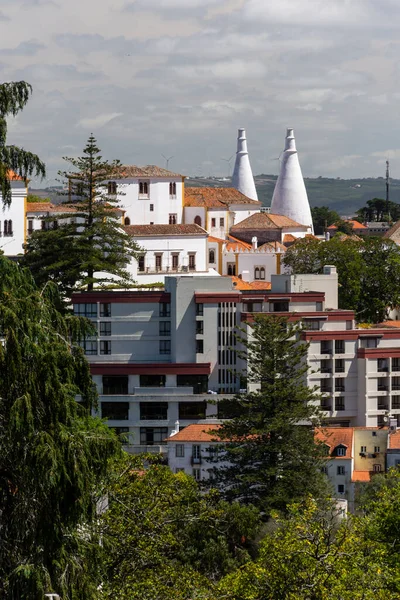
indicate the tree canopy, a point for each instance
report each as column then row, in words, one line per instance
column 322, row 217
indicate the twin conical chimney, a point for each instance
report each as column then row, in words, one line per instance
column 290, row 196
column 242, row 178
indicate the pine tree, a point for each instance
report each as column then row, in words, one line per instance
column 89, row 245
column 13, row 98
column 52, row 452
column 270, row 457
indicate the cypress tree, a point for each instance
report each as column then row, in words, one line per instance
column 89, row 245
column 269, row 457
column 52, row 452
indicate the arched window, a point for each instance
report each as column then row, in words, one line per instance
column 127, row 221
column 257, row 273
column 172, row 188
column 231, row 269
column 262, row 273
column 197, row 220
column 211, row 256
column 8, row 227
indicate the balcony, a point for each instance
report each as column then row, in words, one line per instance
column 166, row 269
column 327, row 407
column 383, row 406
column 326, row 370
column 138, row 449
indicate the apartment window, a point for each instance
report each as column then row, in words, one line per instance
column 175, row 261
column 196, row 452
column 192, row 410
column 153, row 411
column 221, row 222
column 192, row 262
column 112, row 187
column 152, row 380
column 340, row 471
column 325, row 386
column 151, row 207
column 339, row 404
column 152, row 435
column 311, row 324
column 363, row 449
column 87, row 310
column 115, row 385
column 231, row 269
column 382, row 365
column 377, row 449
column 340, row 489
column 199, row 346
column 259, row 273
column 339, row 384
column 30, row 226
column 165, row 346
column 105, row 309
column 252, row 306
column 340, row 451
column 377, row 468
column 396, row 402
column 158, row 262
column 180, row 450
column 172, row 189
column 144, row 189
column 173, row 219
column 326, row 347
column 395, row 383
column 318, row 306
column 89, row 347
column 165, row 309
column 199, row 327
column 213, row 222
column 141, row 263
column 199, row 309
column 368, row 342
column 211, row 256
column 8, row 227
column 339, row 346
column 279, row 306
column 105, row 328
column 165, row 328
column 339, row 365
column 105, row 347
column 395, row 364
column 199, row 383
column 115, row 411
column 381, row 420
column 197, row 474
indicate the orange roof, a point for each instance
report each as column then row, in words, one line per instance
column 211, row 238
column 354, row 224
column 164, row 230
column 12, row 176
column 395, row 324
column 394, row 440
column 127, row 171
column 288, row 237
column 216, row 197
column 239, row 284
column 260, row 285
column 38, row 206
column 196, row 433
column 336, row 436
column 273, row 246
column 361, row 476
column 267, row 221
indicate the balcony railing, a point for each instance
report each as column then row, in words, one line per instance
column 166, row 269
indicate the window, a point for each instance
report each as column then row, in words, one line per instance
column 152, row 435
column 115, row 411
column 339, row 346
column 105, row 347
column 199, row 309
column 165, row 346
column 213, row 222
column 141, row 263
column 368, row 342
column 87, row 310
column 115, row 385
column 127, row 221
column 339, row 403
column 340, row 451
column 396, row 383
column 192, row 410
column 196, row 452
column 165, row 309
column 252, row 306
column 325, row 366
column 197, row 220
column 340, row 489
column 395, row 364
column 173, row 219
column 340, row 471
column 122, row 433
column 231, row 269
column 180, row 450
column 318, row 306
column 43, row 226
column 259, row 273
column 151, row 207
column 152, row 380
column 382, row 365
column 105, row 309
column 199, row 383
column 158, row 262
column 144, row 189
column 192, row 262
column 165, row 328
column 211, row 256
column 311, row 324
column 349, row 324
column 112, row 188
column 339, row 384
column 339, row 365
column 363, row 449
column 377, row 468
column 89, row 347
column 377, row 449
column 199, row 327
column 326, row 347
column 175, row 261
column 153, row 411
column 279, row 306
column 221, row 222
column 30, row 226
column 105, row 328
column 199, row 346
column 8, row 228
column 396, row 402
column 197, row 474
column 172, row 189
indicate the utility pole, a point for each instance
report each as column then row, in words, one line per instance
column 387, row 191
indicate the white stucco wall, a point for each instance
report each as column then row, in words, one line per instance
column 13, row 245
column 138, row 208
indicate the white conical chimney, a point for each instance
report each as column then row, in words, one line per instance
column 290, row 196
column 242, row 178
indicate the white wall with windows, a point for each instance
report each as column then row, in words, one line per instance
column 12, row 221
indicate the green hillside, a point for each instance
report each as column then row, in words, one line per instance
column 343, row 195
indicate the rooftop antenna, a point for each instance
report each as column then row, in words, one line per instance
column 387, row 191
column 167, row 159
column 228, row 160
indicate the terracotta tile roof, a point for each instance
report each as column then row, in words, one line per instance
column 288, row 237
column 211, row 238
column 216, row 197
column 390, row 324
column 394, row 440
column 352, row 222
column 267, row 221
column 361, row 476
column 127, row 171
column 260, row 285
column 36, row 207
column 196, row 433
column 273, row 246
column 12, row 176
column 165, row 230
column 240, row 284
column 312, row 236
column 393, row 230
column 335, row 436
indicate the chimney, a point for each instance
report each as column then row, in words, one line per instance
column 176, row 430
column 242, row 178
column 254, row 242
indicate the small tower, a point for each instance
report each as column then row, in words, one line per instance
column 290, row 196
column 242, row 178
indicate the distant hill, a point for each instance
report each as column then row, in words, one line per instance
column 343, row 195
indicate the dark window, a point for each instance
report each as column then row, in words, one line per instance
column 85, row 310
column 105, row 309
column 165, row 347
column 395, row 383
column 127, row 221
column 199, row 310
column 221, row 222
column 339, row 365
column 213, row 221
column 368, row 343
column 180, row 450
column 165, row 309
column 231, row 269
column 115, row 411
column 326, row 347
column 105, row 347
column 199, row 383
column 141, row 264
column 211, row 256
column 172, row 188
column 175, row 261
column 252, row 307
column 30, row 226
column 152, row 435
column 339, row 346
column 192, row 410
column 339, row 384
column 396, row 402
column 158, row 262
column 192, row 262
column 151, row 207
column 143, row 188
column 112, row 188
column 280, row 306
column 153, row 411
column 340, row 489
column 105, row 328
column 197, row 220
column 340, row 451
column 165, row 328
column 199, row 327
column 395, row 364
column 311, row 324
column 89, row 347
column 326, row 366
column 173, row 219
column 339, row 404
column 152, row 380
column 199, row 346
column 122, row 433
column 115, row 385
column 340, row 470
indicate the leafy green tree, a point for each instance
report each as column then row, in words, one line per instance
column 270, row 458
column 344, row 227
column 322, row 217
column 52, row 452
column 92, row 247
column 166, row 540
column 375, row 210
column 35, row 199
column 13, row 98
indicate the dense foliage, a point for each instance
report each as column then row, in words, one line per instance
column 322, row 217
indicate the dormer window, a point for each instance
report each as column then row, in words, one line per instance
column 340, row 450
column 144, row 189
column 172, row 189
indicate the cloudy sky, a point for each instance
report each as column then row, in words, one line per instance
column 178, row 77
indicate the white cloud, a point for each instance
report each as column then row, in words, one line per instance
column 98, row 121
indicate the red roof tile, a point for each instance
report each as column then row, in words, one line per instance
column 196, row 433
column 128, row 171
column 335, row 436
column 165, row 230
column 264, row 220
column 394, row 440
column 12, row 176
column 216, row 197
column 361, row 476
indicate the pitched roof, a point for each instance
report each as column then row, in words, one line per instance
column 352, row 222
column 196, row 433
column 361, row 476
column 288, row 237
column 216, row 197
column 165, row 230
column 273, row 246
column 394, row 440
column 240, row 284
column 127, row 171
column 38, row 206
column 336, row 436
column 264, row 220
column 393, row 230
column 211, row 238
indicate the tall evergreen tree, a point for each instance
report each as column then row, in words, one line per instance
column 13, row 98
column 89, row 244
column 52, row 452
column 270, row 457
